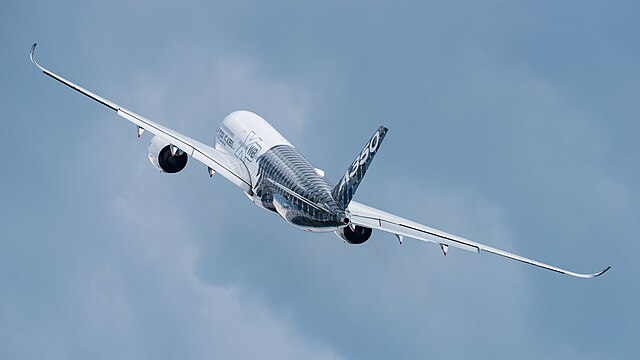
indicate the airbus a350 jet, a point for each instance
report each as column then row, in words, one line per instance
column 275, row 176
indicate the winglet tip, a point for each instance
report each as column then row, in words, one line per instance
column 33, row 50
column 603, row 271
column 31, row 56
column 595, row 275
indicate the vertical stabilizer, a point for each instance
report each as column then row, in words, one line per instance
column 344, row 190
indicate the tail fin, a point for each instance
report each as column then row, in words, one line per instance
column 344, row 190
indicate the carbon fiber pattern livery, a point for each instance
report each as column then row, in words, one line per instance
column 349, row 183
column 287, row 184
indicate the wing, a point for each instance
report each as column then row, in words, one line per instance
column 367, row 216
column 220, row 162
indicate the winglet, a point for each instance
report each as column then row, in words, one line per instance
column 75, row 87
column 33, row 60
column 599, row 273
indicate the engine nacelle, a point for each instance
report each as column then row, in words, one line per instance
column 356, row 236
column 161, row 156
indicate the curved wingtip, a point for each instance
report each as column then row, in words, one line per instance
column 33, row 50
column 590, row 276
column 542, row 265
column 601, row 272
column 33, row 60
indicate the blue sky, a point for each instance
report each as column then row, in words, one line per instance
column 514, row 124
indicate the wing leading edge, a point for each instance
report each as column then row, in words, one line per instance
column 367, row 216
column 226, row 165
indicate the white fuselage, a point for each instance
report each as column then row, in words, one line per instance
column 246, row 136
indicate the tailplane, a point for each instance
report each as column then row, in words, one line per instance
column 344, row 190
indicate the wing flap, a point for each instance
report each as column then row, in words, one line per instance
column 367, row 216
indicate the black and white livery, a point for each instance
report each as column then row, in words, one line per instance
column 253, row 155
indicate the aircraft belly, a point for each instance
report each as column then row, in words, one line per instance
column 287, row 184
column 282, row 179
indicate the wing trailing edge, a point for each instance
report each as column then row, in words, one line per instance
column 220, row 162
column 367, row 216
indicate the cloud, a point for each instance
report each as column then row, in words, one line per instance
column 183, row 313
column 201, row 318
column 197, row 92
column 509, row 127
column 268, row 281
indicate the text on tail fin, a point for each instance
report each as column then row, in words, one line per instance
column 344, row 190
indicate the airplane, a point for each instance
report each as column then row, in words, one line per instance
column 275, row 176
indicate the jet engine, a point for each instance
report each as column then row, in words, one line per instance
column 357, row 236
column 166, row 157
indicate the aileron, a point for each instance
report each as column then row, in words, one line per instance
column 367, row 216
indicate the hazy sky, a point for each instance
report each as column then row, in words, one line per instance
column 511, row 123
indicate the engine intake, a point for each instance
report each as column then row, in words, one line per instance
column 161, row 157
column 356, row 236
